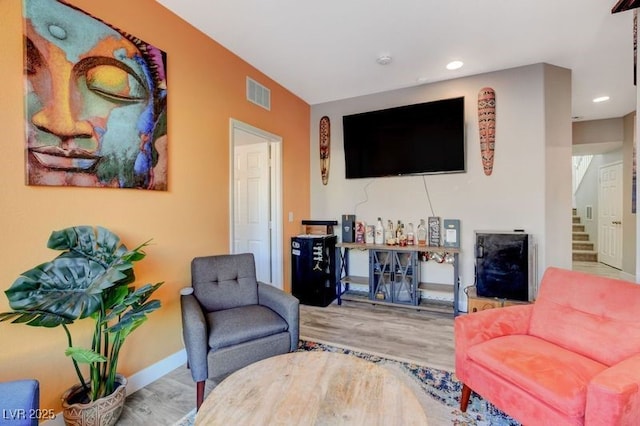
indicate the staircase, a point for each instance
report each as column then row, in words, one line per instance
column 583, row 250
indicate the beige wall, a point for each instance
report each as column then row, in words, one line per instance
column 598, row 131
column 206, row 87
column 557, row 169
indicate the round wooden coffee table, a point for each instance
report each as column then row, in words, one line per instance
column 312, row 388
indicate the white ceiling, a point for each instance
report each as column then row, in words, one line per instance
column 324, row 51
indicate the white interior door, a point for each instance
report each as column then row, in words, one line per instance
column 252, row 221
column 255, row 199
column 610, row 215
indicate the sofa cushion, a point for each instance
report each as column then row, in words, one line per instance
column 587, row 314
column 546, row 371
column 237, row 325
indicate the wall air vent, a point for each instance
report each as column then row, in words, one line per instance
column 258, row 94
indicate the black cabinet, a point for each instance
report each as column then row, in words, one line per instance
column 314, row 269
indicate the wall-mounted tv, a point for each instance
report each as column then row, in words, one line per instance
column 426, row 138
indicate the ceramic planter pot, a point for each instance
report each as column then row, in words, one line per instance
column 102, row 412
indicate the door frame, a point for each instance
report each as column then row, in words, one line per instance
column 275, row 183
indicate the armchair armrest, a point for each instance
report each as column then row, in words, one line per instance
column 613, row 396
column 19, row 400
column 478, row 327
column 285, row 305
column 195, row 334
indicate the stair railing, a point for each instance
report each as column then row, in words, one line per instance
column 580, row 166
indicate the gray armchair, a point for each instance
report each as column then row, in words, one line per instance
column 231, row 320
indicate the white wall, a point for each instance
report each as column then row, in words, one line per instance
column 513, row 197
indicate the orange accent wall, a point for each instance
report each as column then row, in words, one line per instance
column 206, row 87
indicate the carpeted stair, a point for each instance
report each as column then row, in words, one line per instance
column 583, row 249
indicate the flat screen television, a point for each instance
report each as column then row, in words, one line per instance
column 426, row 138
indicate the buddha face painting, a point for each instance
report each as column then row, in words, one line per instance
column 95, row 102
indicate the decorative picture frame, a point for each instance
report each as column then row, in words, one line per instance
column 433, row 226
column 451, row 233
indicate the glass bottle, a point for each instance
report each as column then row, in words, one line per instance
column 379, row 233
column 410, row 234
column 390, row 234
column 422, row 233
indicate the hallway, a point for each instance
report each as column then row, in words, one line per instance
column 597, row 268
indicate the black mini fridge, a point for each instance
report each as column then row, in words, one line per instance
column 314, row 269
column 504, row 265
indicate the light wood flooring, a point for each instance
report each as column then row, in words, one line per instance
column 400, row 333
column 597, row 268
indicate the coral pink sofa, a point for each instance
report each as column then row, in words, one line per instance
column 571, row 358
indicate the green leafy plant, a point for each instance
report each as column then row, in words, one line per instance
column 90, row 279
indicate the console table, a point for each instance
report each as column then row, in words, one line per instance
column 394, row 275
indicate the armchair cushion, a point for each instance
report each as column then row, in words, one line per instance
column 549, row 373
column 576, row 311
column 224, row 281
column 238, row 325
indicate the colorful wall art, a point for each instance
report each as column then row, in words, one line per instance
column 95, row 99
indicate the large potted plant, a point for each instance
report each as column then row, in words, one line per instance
column 91, row 280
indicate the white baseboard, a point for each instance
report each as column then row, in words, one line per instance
column 142, row 378
column 627, row 276
column 154, row 372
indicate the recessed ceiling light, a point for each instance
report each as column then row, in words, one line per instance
column 454, row 65
column 601, row 99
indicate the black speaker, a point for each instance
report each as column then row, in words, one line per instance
column 348, row 228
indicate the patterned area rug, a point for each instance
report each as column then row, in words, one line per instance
column 438, row 391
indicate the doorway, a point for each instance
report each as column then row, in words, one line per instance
column 610, row 215
column 256, row 199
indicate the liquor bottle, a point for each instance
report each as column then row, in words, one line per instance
column 390, row 234
column 422, row 233
column 403, row 236
column 410, row 235
column 369, row 237
column 361, row 227
column 379, row 233
column 398, row 232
